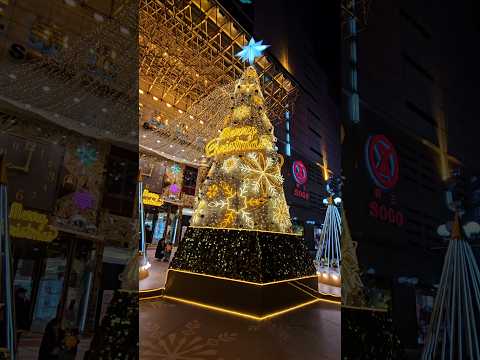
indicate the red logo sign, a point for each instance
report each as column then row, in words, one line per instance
column 382, row 161
column 299, row 172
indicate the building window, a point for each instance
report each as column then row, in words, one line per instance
column 121, row 182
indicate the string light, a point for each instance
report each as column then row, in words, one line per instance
column 244, row 186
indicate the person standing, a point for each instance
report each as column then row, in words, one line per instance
column 52, row 340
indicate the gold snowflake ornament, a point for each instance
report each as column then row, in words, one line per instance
column 263, row 173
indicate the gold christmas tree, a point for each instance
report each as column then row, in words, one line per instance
column 244, row 186
column 352, row 286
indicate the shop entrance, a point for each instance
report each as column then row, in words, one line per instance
column 164, row 229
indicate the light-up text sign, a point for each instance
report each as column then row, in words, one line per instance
column 152, row 199
column 238, row 139
column 30, row 224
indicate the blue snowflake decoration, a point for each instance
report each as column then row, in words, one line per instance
column 175, row 169
column 87, row 155
column 252, row 50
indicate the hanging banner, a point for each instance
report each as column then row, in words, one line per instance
column 30, row 224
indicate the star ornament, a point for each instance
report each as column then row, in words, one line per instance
column 252, row 50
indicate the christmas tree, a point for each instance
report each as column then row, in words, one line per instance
column 243, row 188
column 352, row 286
column 241, row 225
column 455, row 323
column 329, row 255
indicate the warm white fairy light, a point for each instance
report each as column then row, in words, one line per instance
column 329, row 256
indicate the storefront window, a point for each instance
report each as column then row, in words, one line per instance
column 24, row 276
column 49, row 292
column 80, row 282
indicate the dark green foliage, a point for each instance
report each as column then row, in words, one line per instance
column 369, row 335
column 242, row 254
column 117, row 337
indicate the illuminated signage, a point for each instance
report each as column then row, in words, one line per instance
column 238, row 139
column 382, row 161
column 30, row 224
column 299, row 171
column 150, row 198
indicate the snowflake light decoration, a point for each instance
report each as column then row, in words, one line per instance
column 175, row 169
column 83, row 200
column 230, row 164
column 252, row 50
column 281, row 214
column 264, row 173
column 87, row 154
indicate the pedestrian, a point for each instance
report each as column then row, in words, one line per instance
column 22, row 311
column 159, row 252
column 70, row 315
column 168, row 251
column 148, row 235
column 52, row 340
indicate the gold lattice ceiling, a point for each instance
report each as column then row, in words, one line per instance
column 187, row 60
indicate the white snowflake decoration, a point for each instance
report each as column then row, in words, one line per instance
column 264, row 173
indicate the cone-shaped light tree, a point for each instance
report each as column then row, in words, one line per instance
column 329, row 255
column 455, row 324
column 244, row 186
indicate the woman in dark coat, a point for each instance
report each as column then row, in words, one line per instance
column 51, row 341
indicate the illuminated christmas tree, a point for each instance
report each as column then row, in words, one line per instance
column 455, row 323
column 329, row 255
column 244, row 186
column 241, row 227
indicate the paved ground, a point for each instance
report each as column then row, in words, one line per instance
column 30, row 344
column 156, row 274
column 175, row 331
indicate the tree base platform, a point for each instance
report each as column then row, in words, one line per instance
column 251, row 273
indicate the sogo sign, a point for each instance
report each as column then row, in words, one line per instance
column 299, row 171
column 382, row 163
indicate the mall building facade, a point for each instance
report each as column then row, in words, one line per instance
column 73, row 185
column 398, row 153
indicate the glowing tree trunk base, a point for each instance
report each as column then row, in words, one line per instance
column 455, row 324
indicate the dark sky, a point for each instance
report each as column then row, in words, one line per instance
column 459, row 26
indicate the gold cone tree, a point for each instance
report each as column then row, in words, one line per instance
column 352, row 286
column 244, row 186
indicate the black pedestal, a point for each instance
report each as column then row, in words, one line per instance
column 251, row 273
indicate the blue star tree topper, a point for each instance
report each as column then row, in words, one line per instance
column 252, row 50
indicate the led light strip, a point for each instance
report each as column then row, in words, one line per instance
column 238, row 229
column 151, row 290
column 363, row 308
column 249, row 316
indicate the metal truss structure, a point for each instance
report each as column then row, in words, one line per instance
column 187, row 71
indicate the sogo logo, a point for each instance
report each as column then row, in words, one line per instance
column 299, row 172
column 382, row 161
